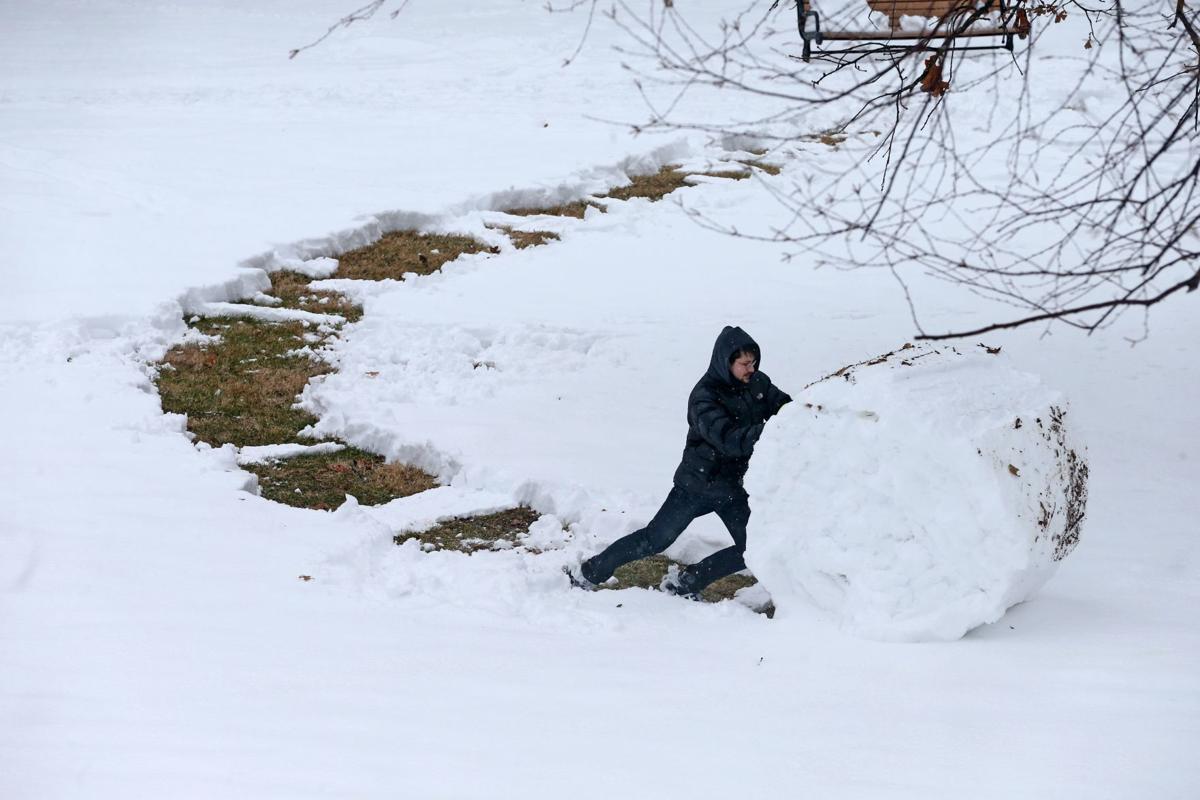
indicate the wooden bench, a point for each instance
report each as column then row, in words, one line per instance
column 895, row 9
column 809, row 23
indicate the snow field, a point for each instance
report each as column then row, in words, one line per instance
column 155, row 639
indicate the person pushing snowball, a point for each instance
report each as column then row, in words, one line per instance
column 726, row 413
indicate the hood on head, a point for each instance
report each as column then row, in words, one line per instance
column 731, row 339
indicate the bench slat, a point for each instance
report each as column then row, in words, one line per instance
column 916, row 8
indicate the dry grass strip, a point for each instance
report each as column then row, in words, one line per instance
column 524, row 239
column 728, row 174
column 758, row 163
column 574, row 209
column 831, row 139
column 770, row 169
column 399, row 252
column 240, row 389
column 323, row 480
column 652, row 187
column 648, row 573
column 480, row 532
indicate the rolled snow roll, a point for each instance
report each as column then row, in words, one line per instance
column 916, row 495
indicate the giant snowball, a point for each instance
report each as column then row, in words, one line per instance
column 917, row 495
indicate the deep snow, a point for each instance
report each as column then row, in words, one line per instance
column 155, row 637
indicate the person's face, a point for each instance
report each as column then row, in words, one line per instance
column 743, row 367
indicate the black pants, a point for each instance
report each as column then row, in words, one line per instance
column 677, row 512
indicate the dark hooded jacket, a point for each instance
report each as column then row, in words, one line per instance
column 725, row 418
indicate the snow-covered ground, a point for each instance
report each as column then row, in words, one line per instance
column 154, row 637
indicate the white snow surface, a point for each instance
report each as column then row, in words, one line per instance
column 156, row 639
column 261, row 454
column 320, row 267
column 266, row 314
column 934, row 486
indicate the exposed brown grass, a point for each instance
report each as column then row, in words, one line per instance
column 770, row 169
column 648, row 573
column 524, row 239
column 758, row 163
column 479, row 532
column 831, row 139
column 322, row 481
column 727, row 587
column 399, row 252
column 728, row 174
column 240, row 389
column 574, row 209
column 293, row 289
column 645, row 573
column 652, row 187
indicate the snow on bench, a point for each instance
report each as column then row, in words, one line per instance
column 916, row 496
column 896, row 9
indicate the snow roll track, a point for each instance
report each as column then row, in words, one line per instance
column 437, row 344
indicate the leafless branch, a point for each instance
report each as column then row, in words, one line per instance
column 1071, row 212
column 358, row 15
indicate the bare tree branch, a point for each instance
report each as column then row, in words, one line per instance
column 358, row 15
column 1070, row 212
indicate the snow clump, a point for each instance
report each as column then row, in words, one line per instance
column 917, row 495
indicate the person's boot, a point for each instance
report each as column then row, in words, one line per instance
column 577, row 575
column 681, row 582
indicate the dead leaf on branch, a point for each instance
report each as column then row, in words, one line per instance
column 1022, row 24
column 931, row 81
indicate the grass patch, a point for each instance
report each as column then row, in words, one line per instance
column 648, row 573
column 755, row 163
column 574, row 209
column 323, row 480
column 479, row 532
column 399, row 252
column 293, row 289
column 524, row 239
column 652, row 187
column 728, row 174
column 240, row 389
column 828, row 138
column 645, row 573
column 758, row 163
column 727, row 587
